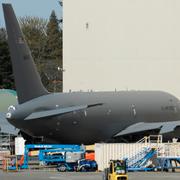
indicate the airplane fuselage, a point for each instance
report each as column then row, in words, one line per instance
column 80, row 117
column 96, row 124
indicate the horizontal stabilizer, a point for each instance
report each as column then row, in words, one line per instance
column 164, row 127
column 54, row 112
column 59, row 111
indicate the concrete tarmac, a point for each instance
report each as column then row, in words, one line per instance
column 43, row 175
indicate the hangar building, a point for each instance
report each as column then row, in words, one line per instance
column 122, row 45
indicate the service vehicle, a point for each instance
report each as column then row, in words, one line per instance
column 117, row 170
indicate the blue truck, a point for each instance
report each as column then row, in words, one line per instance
column 82, row 165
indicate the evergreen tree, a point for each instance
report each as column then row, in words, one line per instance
column 54, row 38
column 53, row 52
column 45, row 42
column 6, row 75
column 34, row 30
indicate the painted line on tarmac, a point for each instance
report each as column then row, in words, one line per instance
column 60, row 177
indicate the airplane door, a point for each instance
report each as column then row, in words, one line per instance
column 133, row 110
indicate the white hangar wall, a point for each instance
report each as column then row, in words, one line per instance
column 122, row 44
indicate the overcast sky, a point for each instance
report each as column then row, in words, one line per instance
column 40, row 8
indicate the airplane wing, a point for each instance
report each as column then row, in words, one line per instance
column 59, row 111
column 164, row 127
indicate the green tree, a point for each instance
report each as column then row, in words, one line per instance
column 45, row 42
column 34, row 30
column 6, row 75
column 53, row 52
column 54, row 38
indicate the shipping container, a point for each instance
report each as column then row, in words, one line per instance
column 106, row 152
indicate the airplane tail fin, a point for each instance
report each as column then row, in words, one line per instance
column 27, row 79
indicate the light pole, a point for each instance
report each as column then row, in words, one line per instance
column 59, row 69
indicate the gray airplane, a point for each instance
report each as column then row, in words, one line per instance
column 82, row 117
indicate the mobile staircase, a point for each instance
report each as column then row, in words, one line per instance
column 168, row 159
column 142, row 161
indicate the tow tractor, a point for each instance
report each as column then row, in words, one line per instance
column 117, row 170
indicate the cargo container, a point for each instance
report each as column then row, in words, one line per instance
column 106, row 152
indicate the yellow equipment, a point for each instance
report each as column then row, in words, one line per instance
column 117, row 170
